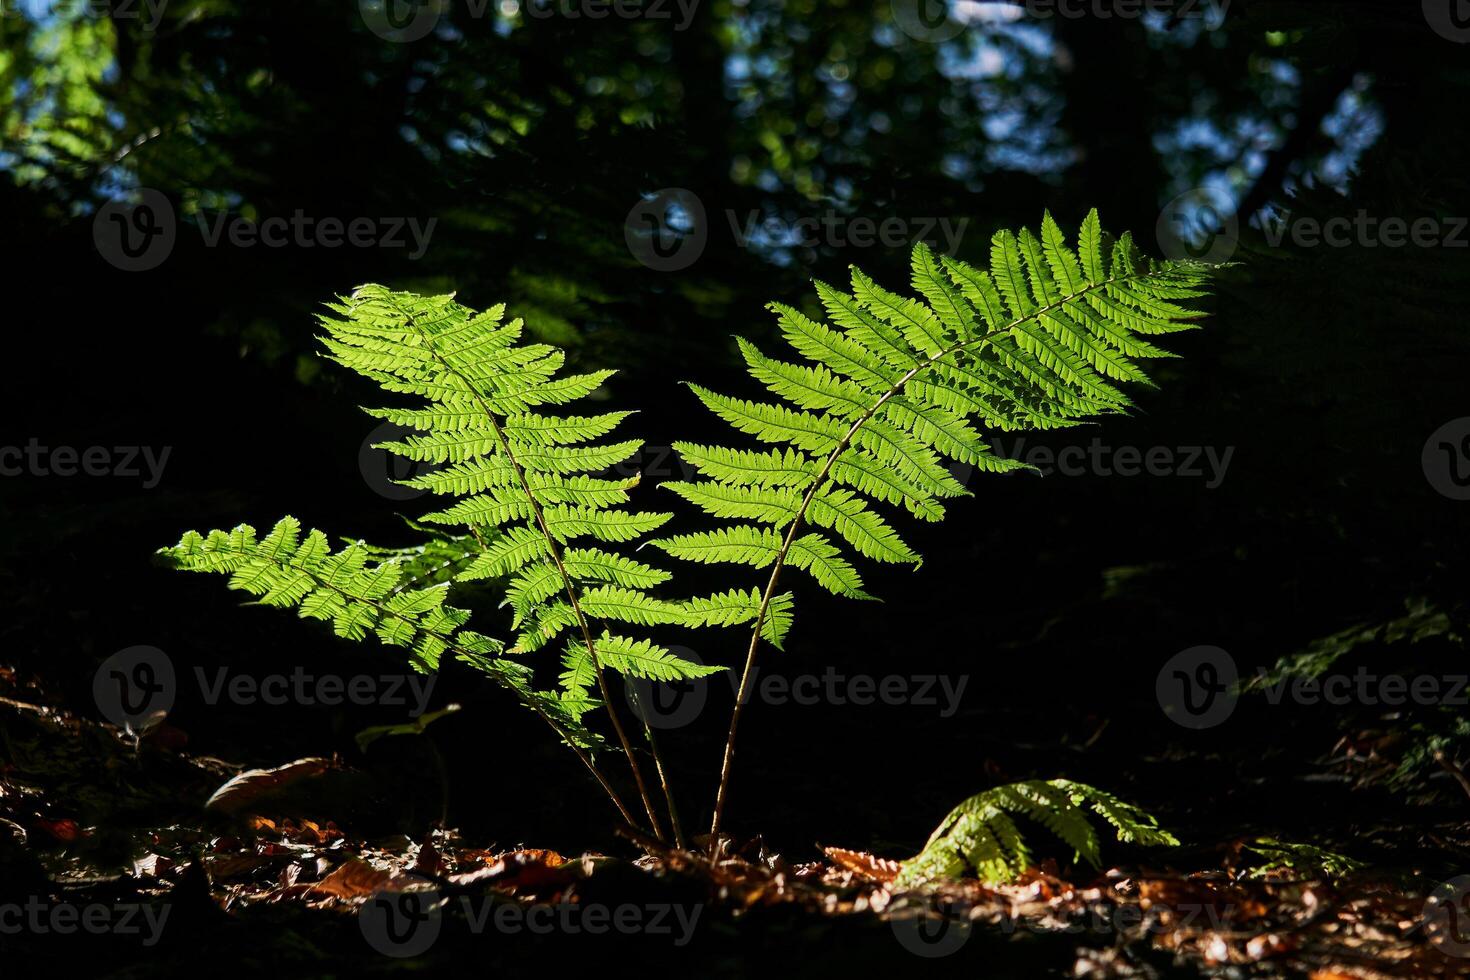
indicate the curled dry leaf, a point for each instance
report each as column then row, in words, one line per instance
column 242, row 792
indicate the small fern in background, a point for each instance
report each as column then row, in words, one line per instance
column 1280, row 857
column 980, row 836
column 894, row 386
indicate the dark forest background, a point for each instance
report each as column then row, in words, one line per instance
column 528, row 140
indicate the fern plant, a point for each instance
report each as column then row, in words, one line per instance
column 526, row 509
column 980, row 836
column 893, row 385
column 891, row 388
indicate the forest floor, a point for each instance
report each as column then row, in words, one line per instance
column 246, row 886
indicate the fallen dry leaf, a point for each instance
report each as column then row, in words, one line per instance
column 864, row 864
column 239, row 793
column 352, row 880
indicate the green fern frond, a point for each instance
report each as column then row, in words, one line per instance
column 882, row 396
column 979, row 836
column 521, row 474
column 362, row 593
column 528, row 502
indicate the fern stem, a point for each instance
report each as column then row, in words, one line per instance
column 527, row 701
column 566, row 579
column 818, row 483
column 663, row 778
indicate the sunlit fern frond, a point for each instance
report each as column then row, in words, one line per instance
column 892, row 393
column 979, row 836
column 529, row 484
column 363, row 594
